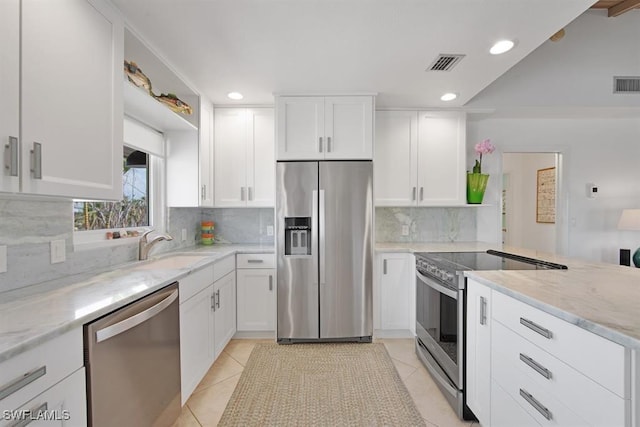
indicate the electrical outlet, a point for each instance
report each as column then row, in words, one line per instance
column 405, row 230
column 58, row 251
column 184, row 234
column 3, row 259
column 269, row 230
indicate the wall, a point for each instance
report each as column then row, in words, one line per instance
column 425, row 224
column 522, row 228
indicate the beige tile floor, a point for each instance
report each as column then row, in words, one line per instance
column 206, row 404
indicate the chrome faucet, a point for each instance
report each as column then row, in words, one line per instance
column 144, row 246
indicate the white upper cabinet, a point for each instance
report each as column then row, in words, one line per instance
column 420, row 158
column 9, row 88
column 318, row 128
column 71, row 98
column 244, row 168
column 206, row 154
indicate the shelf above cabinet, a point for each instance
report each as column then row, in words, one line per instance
column 140, row 106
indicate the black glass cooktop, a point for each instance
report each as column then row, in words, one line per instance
column 490, row 260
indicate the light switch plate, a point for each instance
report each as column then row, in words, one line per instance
column 184, row 234
column 3, row 259
column 269, row 230
column 405, row 230
column 58, row 251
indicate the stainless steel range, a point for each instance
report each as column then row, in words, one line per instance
column 441, row 308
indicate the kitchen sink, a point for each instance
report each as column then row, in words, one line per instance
column 174, row 262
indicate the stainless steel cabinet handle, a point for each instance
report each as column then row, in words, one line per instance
column 483, row 311
column 32, row 415
column 321, row 226
column 384, row 266
column 320, row 144
column 421, row 193
column 22, row 381
column 328, row 144
column 204, row 192
column 213, row 301
column 36, row 160
column 255, row 261
column 218, row 298
column 536, row 328
column 413, row 194
column 270, row 282
column 11, row 156
column 536, row 366
column 537, row 405
column 242, row 193
column 250, row 191
column 135, row 320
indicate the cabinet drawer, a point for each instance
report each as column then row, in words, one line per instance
column 195, row 282
column 541, row 405
column 579, row 393
column 223, row 267
column 30, row 373
column 604, row 361
column 505, row 412
column 255, row 261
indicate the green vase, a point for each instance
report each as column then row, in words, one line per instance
column 476, row 184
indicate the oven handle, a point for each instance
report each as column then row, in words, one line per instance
column 436, row 286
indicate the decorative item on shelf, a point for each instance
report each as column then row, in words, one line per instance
column 476, row 180
column 173, row 102
column 137, row 77
column 630, row 220
column 207, row 232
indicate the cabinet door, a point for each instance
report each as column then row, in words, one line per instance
column 65, row 403
column 348, row 127
column 225, row 311
column 261, row 165
column 196, row 340
column 441, row 158
column 396, row 158
column 300, row 128
column 71, row 98
column 230, row 157
column 397, row 307
column 206, row 154
column 478, row 351
column 256, row 300
column 9, row 88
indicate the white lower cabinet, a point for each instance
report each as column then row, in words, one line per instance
column 396, row 292
column 256, row 299
column 224, row 293
column 532, row 368
column 478, row 351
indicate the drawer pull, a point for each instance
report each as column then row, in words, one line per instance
column 31, row 415
column 255, row 261
column 21, row 382
column 483, row 311
column 536, row 366
column 270, row 282
column 536, row 328
column 537, row 405
column 384, row 266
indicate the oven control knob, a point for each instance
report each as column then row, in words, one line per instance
column 448, row 277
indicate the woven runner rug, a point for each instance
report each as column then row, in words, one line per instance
column 320, row 385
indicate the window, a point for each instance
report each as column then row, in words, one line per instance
column 131, row 211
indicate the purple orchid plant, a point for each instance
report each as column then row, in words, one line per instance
column 484, row 147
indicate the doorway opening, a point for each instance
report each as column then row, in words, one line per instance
column 530, row 211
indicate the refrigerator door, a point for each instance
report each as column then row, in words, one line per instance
column 346, row 249
column 297, row 214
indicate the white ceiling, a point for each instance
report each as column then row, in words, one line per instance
column 258, row 47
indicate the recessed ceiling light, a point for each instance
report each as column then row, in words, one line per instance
column 449, row 96
column 235, row 95
column 501, row 47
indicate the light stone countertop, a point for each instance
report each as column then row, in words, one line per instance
column 601, row 298
column 32, row 315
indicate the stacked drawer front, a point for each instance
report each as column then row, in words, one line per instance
column 557, row 372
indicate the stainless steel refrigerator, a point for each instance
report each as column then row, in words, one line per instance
column 324, row 247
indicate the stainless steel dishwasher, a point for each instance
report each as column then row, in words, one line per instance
column 132, row 360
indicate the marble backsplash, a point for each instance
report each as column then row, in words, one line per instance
column 241, row 225
column 425, row 224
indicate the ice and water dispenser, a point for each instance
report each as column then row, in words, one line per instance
column 297, row 236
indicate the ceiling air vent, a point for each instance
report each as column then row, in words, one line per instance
column 445, row 62
column 626, row 84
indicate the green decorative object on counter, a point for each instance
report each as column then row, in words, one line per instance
column 476, row 184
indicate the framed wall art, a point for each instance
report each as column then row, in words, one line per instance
column 546, row 196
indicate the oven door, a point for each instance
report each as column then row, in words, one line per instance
column 437, row 325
